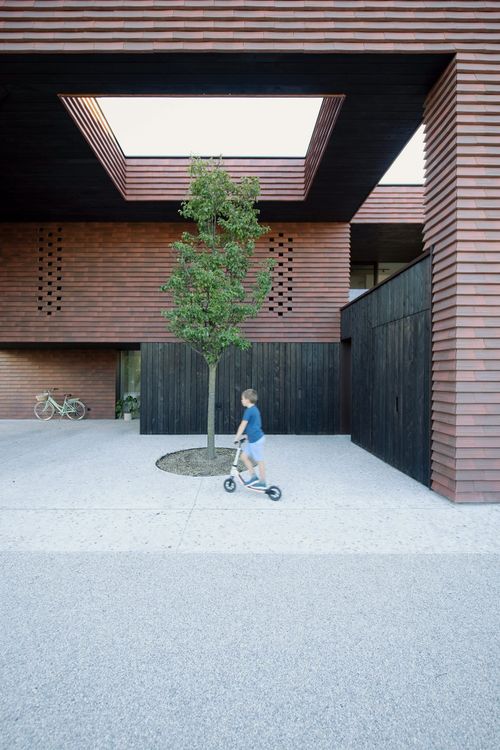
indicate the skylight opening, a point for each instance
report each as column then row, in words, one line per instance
column 230, row 126
column 408, row 167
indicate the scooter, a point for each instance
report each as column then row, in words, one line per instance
column 272, row 492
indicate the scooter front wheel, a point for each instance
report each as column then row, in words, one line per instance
column 229, row 485
column 274, row 492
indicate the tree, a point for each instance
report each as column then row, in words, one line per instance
column 211, row 287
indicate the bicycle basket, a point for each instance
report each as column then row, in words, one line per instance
column 41, row 396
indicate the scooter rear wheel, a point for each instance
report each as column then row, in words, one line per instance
column 229, row 484
column 274, row 492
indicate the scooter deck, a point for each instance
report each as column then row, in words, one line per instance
column 249, row 486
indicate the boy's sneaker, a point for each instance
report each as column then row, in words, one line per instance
column 252, row 480
column 259, row 485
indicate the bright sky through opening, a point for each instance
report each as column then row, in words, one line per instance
column 212, row 126
column 408, row 168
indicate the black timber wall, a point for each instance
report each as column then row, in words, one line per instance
column 389, row 330
column 297, row 383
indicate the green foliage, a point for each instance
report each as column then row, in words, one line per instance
column 126, row 405
column 211, row 293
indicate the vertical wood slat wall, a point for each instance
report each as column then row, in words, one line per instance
column 109, row 276
column 462, row 203
column 389, row 330
column 298, row 386
column 89, row 374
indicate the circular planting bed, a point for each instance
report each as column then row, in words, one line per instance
column 194, row 462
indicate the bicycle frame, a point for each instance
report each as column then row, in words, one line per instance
column 66, row 408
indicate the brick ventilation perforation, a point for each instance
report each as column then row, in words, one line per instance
column 50, row 258
column 280, row 299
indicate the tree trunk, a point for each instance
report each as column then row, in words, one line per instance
column 212, row 372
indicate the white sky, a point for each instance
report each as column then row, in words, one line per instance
column 232, row 126
column 408, row 168
column 211, row 126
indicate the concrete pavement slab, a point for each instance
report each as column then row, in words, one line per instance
column 71, row 530
column 89, row 465
column 340, row 530
column 94, row 485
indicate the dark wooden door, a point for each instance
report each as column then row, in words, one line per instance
column 400, row 419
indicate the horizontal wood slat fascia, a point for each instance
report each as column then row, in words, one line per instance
column 92, row 124
column 89, row 374
column 381, row 25
column 153, row 178
column 111, row 274
column 327, row 116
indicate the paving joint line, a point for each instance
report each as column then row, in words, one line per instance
column 447, row 508
column 189, row 516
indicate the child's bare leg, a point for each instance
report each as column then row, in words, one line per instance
column 262, row 471
column 248, row 463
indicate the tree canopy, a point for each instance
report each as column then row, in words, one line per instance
column 210, row 296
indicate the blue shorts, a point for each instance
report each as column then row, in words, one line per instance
column 255, row 450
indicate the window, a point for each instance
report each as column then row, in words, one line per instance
column 129, row 374
column 366, row 275
column 362, row 276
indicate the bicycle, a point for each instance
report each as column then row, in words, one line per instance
column 46, row 406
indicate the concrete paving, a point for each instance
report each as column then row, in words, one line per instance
column 140, row 609
column 94, row 486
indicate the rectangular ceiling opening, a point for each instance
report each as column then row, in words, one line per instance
column 228, row 126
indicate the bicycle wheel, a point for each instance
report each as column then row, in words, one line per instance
column 44, row 410
column 79, row 409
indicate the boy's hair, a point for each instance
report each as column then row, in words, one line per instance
column 250, row 395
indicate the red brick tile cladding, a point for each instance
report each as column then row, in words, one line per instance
column 392, row 204
column 110, row 274
column 89, row 374
column 253, row 25
column 463, row 225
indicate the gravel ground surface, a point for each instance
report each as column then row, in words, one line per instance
column 195, row 462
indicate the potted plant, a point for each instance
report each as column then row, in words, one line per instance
column 127, row 407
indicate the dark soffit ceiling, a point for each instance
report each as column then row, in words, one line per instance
column 50, row 172
column 386, row 243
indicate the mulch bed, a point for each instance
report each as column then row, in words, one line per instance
column 194, row 462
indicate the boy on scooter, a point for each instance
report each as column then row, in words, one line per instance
column 253, row 448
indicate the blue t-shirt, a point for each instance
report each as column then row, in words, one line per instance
column 254, row 427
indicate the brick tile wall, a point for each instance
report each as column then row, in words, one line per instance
column 89, row 374
column 99, row 282
column 462, row 204
column 392, row 204
column 229, row 25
